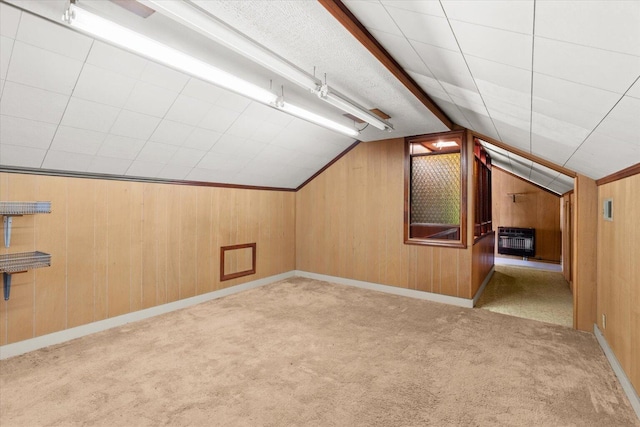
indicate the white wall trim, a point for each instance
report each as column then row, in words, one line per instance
column 484, row 285
column 32, row 344
column 412, row 293
column 631, row 393
column 531, row 264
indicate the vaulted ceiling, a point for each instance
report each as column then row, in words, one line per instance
column 555, row 79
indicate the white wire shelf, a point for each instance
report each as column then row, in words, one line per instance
column 10, row 209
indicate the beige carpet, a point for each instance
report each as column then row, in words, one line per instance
column 304, row 352
column 529, row 293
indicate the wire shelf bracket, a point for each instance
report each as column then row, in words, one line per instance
column 11, row 209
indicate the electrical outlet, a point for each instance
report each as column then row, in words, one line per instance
column 604, row 321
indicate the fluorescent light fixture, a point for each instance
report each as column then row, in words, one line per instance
column 227, row 36
column 220, row 32
column 315, row 118
column 443, row 144
column 350, row 107
column 144, row 46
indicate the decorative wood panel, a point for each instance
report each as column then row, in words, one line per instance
column 482, row 260
column 585, row 223
column 533, row 207
column 349, row 223
column 618, row 293
column 121, row 246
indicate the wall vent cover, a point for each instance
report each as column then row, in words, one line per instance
column 608, row 209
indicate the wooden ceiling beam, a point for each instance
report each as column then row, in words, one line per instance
column 355, row 27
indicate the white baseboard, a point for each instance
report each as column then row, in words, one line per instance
column 531, row 264
column 631, row 393
column 32, row 344
column 478, row 294
column 445, row 299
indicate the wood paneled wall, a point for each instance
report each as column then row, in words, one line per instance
column 349, row 223
column 118, row 246
column 585, row 226
column 482, row 260
column 533, row 208
column 618, row 252
column 566, row 222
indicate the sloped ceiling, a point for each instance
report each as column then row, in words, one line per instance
column 555, row 79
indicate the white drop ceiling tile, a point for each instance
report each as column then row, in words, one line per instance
column 428, row 29
column 144, row 169
column 461, row 92
column 493, row 74
column 426, row 7
column 117, row 60
column 446, row 65
column 17, row 155
column 186, row 157
column 9, row 20
column 501, row 96
column 243, row 127
column 65, row 161
column 170, row 132
column 103, row 86
column 373, row 16
column 501, row 46
column 150, row 99
column 202, row 139
column 602, row 155
column 558, row 130
column 188, row 110
column 1, row 87
column 470, row 103
column 545, row 170
column 76, row 140
column 120, row 147
column 634, row 91
column 134, row 125
column 164, row 77
column 29, row 133
column 174, row 172
column 55, row 38
column 266, row 132
column 276, row 155
column 514, row 16
column 623, row 121
column 156, row 152
column 208, row 175
column 512, row 135
column 520, row 110
column 222, row 162
column 238, row 146
column 109, row 165
column 311, row 162
column 589, row 66
column 218, row 119
column 6, row 47
column 203, row 91
column 32, row 103
column 232, row 101
column 573, row 94
column 573, row 115
column 89, row 115
column 261, row 112
column 560, row 187
column 402, row 51
column 43, row 69
column 552, row 150
column 515, row 118
column 610, row 25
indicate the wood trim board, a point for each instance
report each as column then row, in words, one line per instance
column 237, row 274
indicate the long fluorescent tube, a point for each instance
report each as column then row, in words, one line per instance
column 144, row 46
column 348, row 106
column 222, row 33
column 317, row 119
column 227, row 36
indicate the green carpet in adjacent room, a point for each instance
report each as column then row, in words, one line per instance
column 530, row 294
